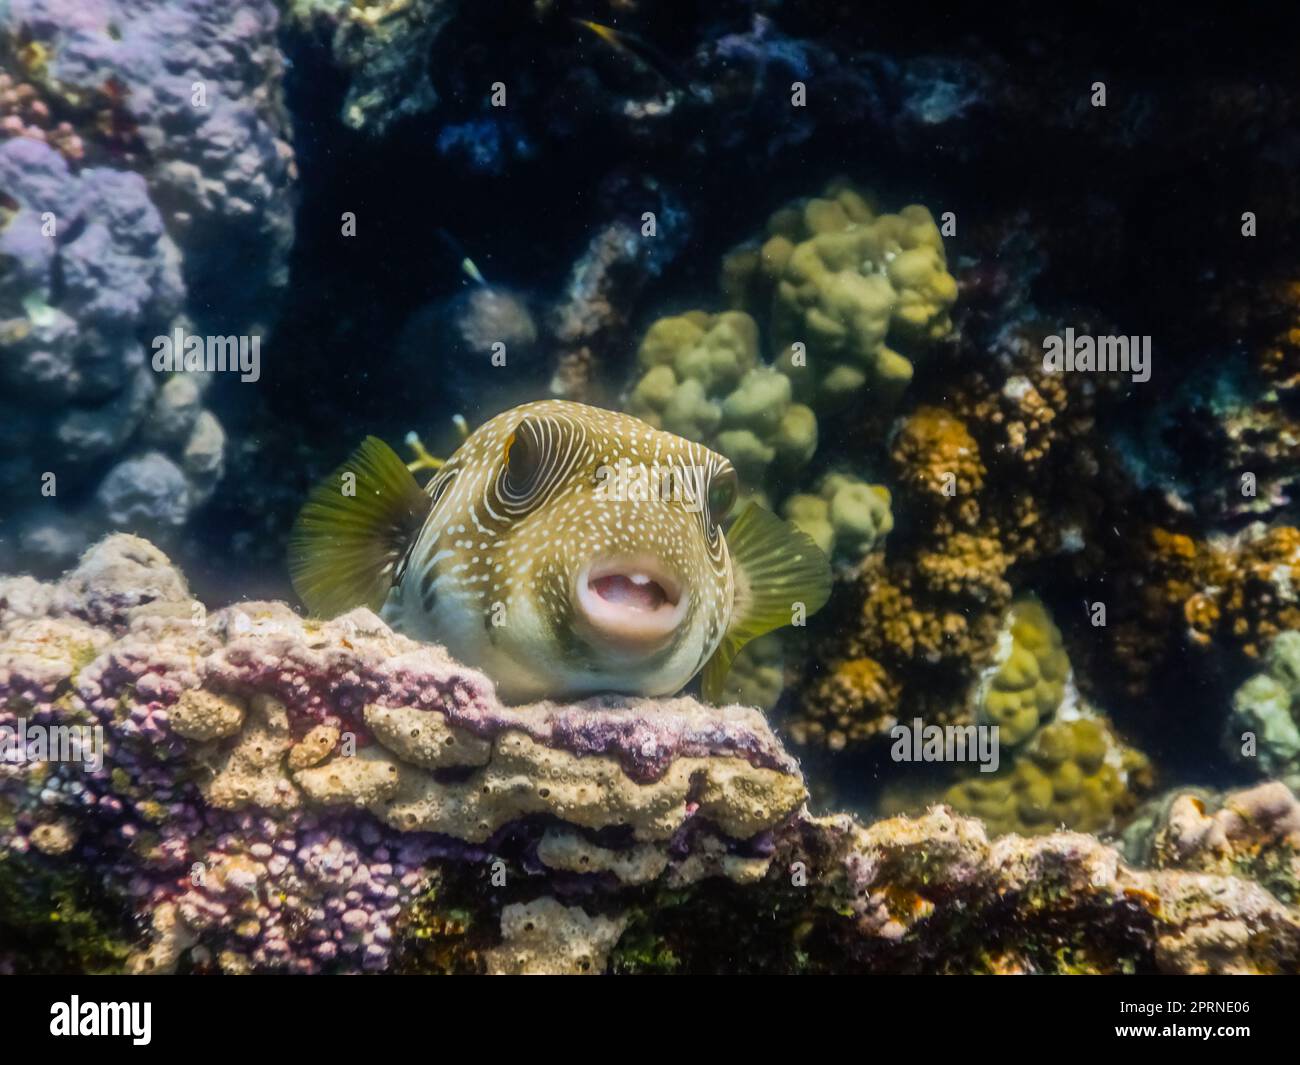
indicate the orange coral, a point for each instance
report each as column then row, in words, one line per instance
column 1233, row 594
column 929, row 617
column 1006, row 472
column 1249, row 593
column 1279, row 361
column 895, row 626
column 853, row 702
column 968, row 565
column 937, row 459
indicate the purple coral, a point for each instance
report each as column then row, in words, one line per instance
column 209, row 117
column 92, row 275
column 178, row 106
column 289, row 889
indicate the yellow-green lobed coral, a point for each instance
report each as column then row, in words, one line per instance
column 701, row 377
column 1263, row 727
column 1028, row 681
column 1061, row 764
column 846, row 516
column 757, row 676
column 1074, row 773
column 852, row 286
column 1067, row 765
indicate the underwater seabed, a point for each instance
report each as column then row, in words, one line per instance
column 977, row 614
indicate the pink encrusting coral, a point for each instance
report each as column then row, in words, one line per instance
column 210, row 803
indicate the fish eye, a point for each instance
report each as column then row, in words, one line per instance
column 538, row 455
column 723, row 491
column 522, row 461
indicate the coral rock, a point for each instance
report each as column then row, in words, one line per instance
column 287, row 844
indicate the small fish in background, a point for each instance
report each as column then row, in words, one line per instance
column 525, row 559
column 479, row 337
column 640, row 51
column 465, row 264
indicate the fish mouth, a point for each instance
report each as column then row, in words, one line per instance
column 635, row 603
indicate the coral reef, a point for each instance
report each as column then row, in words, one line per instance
column 129, row 185
column 1243, row 591
column 1217, row 599
column 846, row 517
column 1059, row 762
column 1183, row 920
column 93, row 272
column 589, row 320
column 1075, row 773
column 208, row 132
column 905, row 640
column 1003, row 475
column 1241, row 430
column 280, row 794
column 703, row 375
column 24, row 114
column 937, row 458
column 853, row 703
column 265, row 774
column 383, row 47
column 1252, row 833
column 757, row 676
column 1014, row 546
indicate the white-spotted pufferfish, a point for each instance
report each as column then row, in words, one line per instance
column 564, row 550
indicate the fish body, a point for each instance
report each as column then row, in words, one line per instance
column 562, row 549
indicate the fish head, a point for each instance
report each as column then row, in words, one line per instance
column 592, row 544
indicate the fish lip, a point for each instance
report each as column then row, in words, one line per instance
column 626, row 627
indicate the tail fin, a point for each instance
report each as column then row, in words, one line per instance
column 353, row 531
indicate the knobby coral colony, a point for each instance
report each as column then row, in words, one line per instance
column 832, row 308
column 123, row 191
column 284, row 794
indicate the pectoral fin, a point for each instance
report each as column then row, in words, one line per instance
column 778, row 570
column 354, row 530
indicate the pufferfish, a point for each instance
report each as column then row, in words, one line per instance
column 564, row 550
